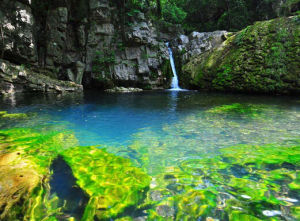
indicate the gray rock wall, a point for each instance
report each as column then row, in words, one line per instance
column 65, row 38
column 17, row 78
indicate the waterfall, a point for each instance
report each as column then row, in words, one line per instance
column 174, row 84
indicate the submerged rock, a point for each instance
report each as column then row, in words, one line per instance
column 107, row 184
column 123, row 90
column 111, row 182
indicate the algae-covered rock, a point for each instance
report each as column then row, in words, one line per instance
column 261, row 58
column 24, row 168
column 5, row 115
column 240, row 109
column 111, row 183
column 243, row 182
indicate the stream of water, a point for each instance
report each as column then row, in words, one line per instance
column 175, row 83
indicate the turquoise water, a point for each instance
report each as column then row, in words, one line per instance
column 165, row 132
column 118, row 119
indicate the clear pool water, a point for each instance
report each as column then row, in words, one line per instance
column 171, row 133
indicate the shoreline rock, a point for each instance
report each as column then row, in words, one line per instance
column 124, row 90
column 17, row 78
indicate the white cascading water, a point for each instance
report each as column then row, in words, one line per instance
column 174, row 84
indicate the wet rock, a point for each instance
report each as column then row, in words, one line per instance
column 18, row 42
column 165, row 211
column 123, row 90
column 271, row 213
column 16, row 78
column 156, row 195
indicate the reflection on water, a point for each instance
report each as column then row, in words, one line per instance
column 229, row 157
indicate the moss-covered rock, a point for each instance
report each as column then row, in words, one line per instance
column 262, row 58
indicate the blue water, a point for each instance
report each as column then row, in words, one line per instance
column 117, row 120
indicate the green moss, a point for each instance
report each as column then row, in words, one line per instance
column 261, row 58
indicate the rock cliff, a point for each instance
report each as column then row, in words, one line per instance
column 98, row 44
column 86, row 42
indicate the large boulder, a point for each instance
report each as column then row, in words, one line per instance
column 262, row 58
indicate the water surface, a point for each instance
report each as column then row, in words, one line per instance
column 171, row 134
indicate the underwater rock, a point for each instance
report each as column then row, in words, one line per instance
column 123, row 90
column 112, row 182
column 5, row 115
column 107, row 184
column 271, row 212
column 19, row 182
column 165, row 211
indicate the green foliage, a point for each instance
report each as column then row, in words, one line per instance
column 102, row 63
column 209, row 15
column 173, row 14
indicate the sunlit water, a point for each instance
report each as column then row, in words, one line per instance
column 165, row 132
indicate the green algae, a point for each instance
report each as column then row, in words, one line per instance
column 27, row 157
column 237, row 108
column 206, row 131
column 229, row 185
column 4, row 114
column 111, row 182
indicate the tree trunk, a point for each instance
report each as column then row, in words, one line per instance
column 158, row 5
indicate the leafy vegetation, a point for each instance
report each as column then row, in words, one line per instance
column 209, row 15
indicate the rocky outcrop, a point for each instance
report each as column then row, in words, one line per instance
column 85, row 41
column 186, row 47
column 262, row 58
column 123, row 90
column 16, row 23
column 197, row 43
column 18, row 78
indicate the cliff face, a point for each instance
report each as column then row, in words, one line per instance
column 85, row 41
column 262, row 58
column 98, row 44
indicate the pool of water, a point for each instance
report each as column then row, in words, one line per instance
column 188, row 141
